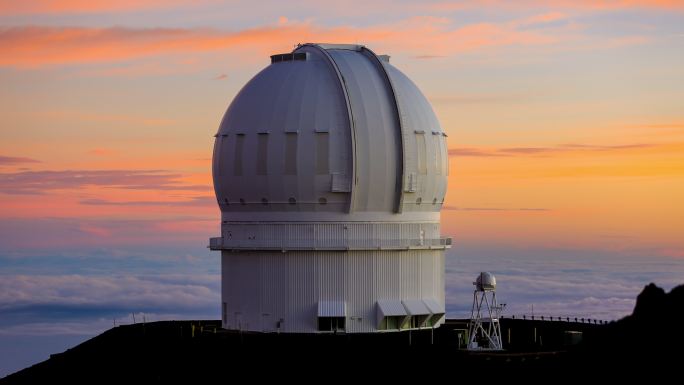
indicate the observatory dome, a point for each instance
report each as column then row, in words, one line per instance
column 330, row 133
column 330, row 169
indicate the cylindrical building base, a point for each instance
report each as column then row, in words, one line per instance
column 332, row 291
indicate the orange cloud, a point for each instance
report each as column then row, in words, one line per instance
column 102, row 152
column 565, row 149
column 32, row 47
column 95, row 230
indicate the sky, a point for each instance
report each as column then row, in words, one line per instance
column 566, row 143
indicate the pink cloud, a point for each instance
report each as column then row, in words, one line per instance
column 203, row 201
column 673, row 253
column 86, row 6
column 95, row 230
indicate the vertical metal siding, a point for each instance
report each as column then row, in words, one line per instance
column 264, row 287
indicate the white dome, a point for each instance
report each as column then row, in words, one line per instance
column 330, row 133
column 485, row 282
column 330, row 170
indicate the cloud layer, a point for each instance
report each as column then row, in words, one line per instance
column 568, row 284
column 64, row 295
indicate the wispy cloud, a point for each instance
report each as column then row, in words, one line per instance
column 12, row 160
column 527, row 150
column 83, row 231
column 455, row 208
column 39, row 46
column 544, row 151
column 429, row 56
column 203, row 201
column 456, row 99
column 221, row 77
column 662, row 125
column 102, row 152
column 39, row 182
column 462, row 151
column 98, row 117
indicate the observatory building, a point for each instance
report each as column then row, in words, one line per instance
column 330, row 169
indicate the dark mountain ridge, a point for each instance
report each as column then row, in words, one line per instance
column 648, row 339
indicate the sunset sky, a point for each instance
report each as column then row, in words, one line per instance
column 566, row 143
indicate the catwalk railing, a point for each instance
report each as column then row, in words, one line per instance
column 557, row 318
column 256, row 243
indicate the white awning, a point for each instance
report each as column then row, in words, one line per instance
column 391, row 307
column 416, row 307
column 434, row 306
column 332, row 309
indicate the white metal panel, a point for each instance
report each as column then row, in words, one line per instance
column 351, row 47
column 332, row 309
column 262, row 288
column 286, row 97
column 418, row 116
column 330, row 236
column 340, row 183
column 377, row 138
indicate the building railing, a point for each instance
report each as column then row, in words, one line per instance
column 255, row 243
column 529, row 317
